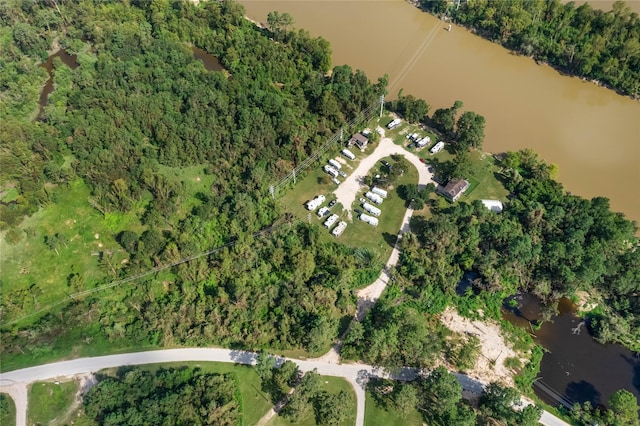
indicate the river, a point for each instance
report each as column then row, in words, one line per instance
column 590, row 132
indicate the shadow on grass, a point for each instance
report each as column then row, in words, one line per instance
column 390, row 238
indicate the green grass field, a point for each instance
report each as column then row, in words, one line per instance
column 49, row 401
column 332, row 385
column 34, row 275
column 375, row 415
column 7, row 410
column 358, row 234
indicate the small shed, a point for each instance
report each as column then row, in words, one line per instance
column 454, row 189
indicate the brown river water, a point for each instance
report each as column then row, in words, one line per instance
column 590, row 132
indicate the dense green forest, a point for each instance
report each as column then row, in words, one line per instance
column 580, row 40
column 139, row 104
column 170, row 396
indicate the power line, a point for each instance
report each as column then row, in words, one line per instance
column 152, row 271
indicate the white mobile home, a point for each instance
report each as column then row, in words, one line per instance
column 323, row 211
column 338, row 230
column 437, row 148
column 369, row 219
column 335, row 164
column 381, row 192
column 371, row 209
column 374, row 197
column 315, row 203
column 348, row 154
column 331, row 220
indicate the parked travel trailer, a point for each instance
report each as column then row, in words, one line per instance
column 423, row 142
column 381, row 192
column 369, row 219
column 335, row 164
column 315, row 203
column 394, row 123
column 332, row 171
column 338, row 230
column 371, row 209
column 348, row 154
column 323, row 211
column 437, row 148
column 374, row 197
column 331, row 220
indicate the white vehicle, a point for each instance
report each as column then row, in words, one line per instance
column 336, row 181
column 331, row 220
column 315, row 203
column 423, row 142
column 374, row 197
column 371, row 209
column 323, row 211
column 338, row 230
column 369, row 219
column 330, row 170
column 437, row 148
column 348, row 154
column 335, row 164
column 394, row 123
column 341, row 173
column 381, row 192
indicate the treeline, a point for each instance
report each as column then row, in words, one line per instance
column 580, row 40
column 167, row 396
column 438, row 398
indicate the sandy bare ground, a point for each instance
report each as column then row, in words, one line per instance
column 348, row 190
column 494, row 350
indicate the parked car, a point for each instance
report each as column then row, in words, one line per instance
column 358, row 211
column 362, row 200
column 386, row 163
column 332, row 203
column 336, row 181
column 423, row 161
column 341, row 173
column 411, row 145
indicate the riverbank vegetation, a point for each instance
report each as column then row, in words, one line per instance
column 577, row 39
column 7, row 410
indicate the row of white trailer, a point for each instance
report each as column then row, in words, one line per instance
column 373, row 221
column 315, row 203
column 420, row 142
column 374, row 198
column 338, row 230
column 437, row 148
column 394, row 123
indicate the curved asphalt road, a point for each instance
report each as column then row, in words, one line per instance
column 16, row 382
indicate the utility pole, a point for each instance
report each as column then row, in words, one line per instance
column 272, row 190
column 381, row 104
column 294, row 175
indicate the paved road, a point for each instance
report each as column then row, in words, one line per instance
column 16, row 382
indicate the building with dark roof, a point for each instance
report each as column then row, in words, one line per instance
column 358, row 140
column 454, row 189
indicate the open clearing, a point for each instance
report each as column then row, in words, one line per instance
column 50, row 403
column 375, row 415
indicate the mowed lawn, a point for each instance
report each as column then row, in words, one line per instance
column 375, row 415
column 358, row 234
column 333, row 385
column 49, row 401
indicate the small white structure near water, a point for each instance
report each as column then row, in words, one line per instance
column 374, row 197
column 331, row 220
column 381, row 192
column 371, row 209
column 348, row 154
column 335, row 164
column 338, row 230
column 315, row 203
column 493, row 205
column 369, row 219
column 437, row 148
